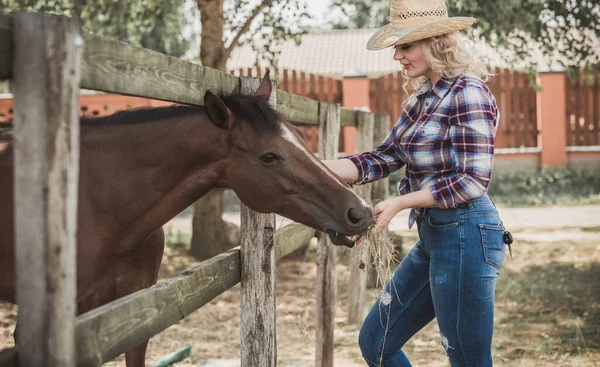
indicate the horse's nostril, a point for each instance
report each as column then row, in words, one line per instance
column 355, row 216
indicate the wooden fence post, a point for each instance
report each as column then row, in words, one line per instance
column 46, row 75
column 329, row 133
column 380, row 189
column 380, row 131
column 257, row 256
column 358, row 277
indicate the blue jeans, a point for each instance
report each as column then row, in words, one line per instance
column 450, row 274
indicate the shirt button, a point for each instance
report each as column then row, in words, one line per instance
column 427, row 104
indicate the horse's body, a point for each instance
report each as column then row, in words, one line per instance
column 134, row 177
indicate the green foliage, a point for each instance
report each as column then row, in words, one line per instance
column 547, row 186
column 362, row 13
column 565, row 30
column 153, row 24
column 265, row 32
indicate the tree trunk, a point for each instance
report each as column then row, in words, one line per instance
column 209, row 232
column 212, row 46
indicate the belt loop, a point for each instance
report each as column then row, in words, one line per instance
column 470, row 205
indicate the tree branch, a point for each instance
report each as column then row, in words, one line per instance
column 245, row 27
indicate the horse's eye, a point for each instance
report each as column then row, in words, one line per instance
column 269, row 158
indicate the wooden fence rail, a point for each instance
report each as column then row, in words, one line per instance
column 116, row 67
column 111, row 66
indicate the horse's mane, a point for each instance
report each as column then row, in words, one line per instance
column 253, row 109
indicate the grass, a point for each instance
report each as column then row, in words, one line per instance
column 549, row 304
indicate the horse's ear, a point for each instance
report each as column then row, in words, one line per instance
column 217, row 111
column 264, row 89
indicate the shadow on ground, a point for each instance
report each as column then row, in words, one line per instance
column 553, row 309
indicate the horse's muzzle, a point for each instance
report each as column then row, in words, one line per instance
column 339, row 239
column 359, row 218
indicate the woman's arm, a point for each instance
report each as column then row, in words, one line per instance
column 370, row 166
column 343, row 168
column 387, row 209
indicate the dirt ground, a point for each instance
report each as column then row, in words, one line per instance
column 547, row 310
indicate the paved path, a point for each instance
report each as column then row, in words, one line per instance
column 513, row 218
column 534, row 217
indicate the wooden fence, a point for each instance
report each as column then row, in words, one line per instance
column 311, row 86
column 583, row 111
column 43, row 55
column 515, row 97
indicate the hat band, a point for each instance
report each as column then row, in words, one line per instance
column 414, row 18
column 440, row 12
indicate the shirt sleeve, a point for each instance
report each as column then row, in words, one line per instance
column 379, row 163
column 473, row 123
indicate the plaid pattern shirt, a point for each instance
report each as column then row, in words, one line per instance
column 449, row 148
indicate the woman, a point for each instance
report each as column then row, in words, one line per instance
column 445, row 138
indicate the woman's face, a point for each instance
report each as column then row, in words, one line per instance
column 412, row 59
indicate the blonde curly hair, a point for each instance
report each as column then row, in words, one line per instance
column 447, row 55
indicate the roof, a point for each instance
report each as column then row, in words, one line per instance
column 332, row 53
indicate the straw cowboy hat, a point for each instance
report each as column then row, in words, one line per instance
column 413, row 20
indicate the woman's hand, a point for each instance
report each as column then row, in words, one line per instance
column 385, row 210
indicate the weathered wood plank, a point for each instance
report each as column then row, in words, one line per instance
column 329, row 132
column 292, row 237
column 6, row 56
column 46, row 74
column 348, row 117
column 379, row 193
column 112, row 66
column 297, row 109
column 357, row 279
column 106, row 332
column 380, row 132
column 257, row 256
column 116, row 67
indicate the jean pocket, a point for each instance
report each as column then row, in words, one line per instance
column 492, row 239
column 442, row 219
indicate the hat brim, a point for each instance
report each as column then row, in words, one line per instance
column 387, row 36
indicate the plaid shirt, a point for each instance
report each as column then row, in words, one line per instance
column 449, row 149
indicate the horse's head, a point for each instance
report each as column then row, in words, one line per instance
column 272, row 171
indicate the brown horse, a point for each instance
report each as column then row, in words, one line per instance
column 140, row 168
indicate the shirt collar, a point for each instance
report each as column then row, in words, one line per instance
column 441, row 88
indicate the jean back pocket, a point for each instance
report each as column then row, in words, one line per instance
column 492, row 239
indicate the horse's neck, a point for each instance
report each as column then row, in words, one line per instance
column 138, row 176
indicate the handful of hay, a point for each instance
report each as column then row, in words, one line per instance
column 375, row 252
